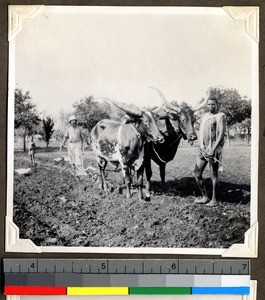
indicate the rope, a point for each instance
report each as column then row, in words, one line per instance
column 205, row 155
column 177, row 139
column 157, row 154
column 136, row 131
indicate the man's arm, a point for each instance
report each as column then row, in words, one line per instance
column 65, row 139
column 81, row 139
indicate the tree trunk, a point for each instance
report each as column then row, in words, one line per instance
column 24, row 142
column 248, row 138
column 228, row 137
column 47, row 144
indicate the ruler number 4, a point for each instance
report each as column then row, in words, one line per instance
column 32, row 265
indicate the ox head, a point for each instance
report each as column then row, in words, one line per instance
column 144, row 121
column 181, row 117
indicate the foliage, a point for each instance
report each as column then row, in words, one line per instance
column 230, row 102
column 236, row 108
column 246, row 125
column 48, row 125
column 233, row 105
column 58, row 134
column 88, row 113
column 26, row 115
column 61, row 123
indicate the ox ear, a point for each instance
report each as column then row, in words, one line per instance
column 172, row 116
column 127, row 120
column 162, row 116
column 156, row 110
column 170, row 111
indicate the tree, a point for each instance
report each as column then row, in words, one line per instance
column 89, row 113
column 61, row 122
column 234, row 106
column 26, row 116
column 48, row 125
column 58, row 135
column 245, row 126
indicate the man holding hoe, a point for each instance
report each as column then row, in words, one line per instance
column 211, row 142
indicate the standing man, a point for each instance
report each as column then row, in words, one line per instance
column 32, row 148
column 75, row 143
column 211, row 142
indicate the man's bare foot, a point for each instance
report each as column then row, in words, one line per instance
column 212, row 203
column 203, row 200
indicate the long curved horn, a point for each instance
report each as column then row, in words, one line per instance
column 154, row 109
column 130, row 109
column 203, row 104
column 167, row 103
column 151, row 108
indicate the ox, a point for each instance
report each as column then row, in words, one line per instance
column 123, row 143
column 174, row 123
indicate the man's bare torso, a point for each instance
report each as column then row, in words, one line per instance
column 209, row 129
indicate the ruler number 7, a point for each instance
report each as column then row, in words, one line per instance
column 244, row 266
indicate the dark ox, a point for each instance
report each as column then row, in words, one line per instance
column 123, row 143
column 174, row 123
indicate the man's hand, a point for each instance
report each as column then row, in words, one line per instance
column 210, row 153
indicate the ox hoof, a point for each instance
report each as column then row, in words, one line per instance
column 119, row 190
column 147, row 197
column 203, row 200
column 212, row 203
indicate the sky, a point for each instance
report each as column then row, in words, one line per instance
column 65, row 54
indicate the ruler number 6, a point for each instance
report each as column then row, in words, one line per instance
column 174, row 266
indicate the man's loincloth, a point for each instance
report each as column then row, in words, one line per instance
column 217, row 157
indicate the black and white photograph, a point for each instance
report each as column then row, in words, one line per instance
column 132, row 129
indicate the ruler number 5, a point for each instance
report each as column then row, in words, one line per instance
column 103, row 266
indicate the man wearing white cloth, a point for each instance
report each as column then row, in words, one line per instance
column 211, row 142
column 75, row 143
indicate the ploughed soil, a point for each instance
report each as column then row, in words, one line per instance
column 54, row 207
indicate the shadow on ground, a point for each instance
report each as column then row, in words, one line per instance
column 186, row 186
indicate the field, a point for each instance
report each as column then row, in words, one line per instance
column 54, row 207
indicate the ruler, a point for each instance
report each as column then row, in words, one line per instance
column 126, row 277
